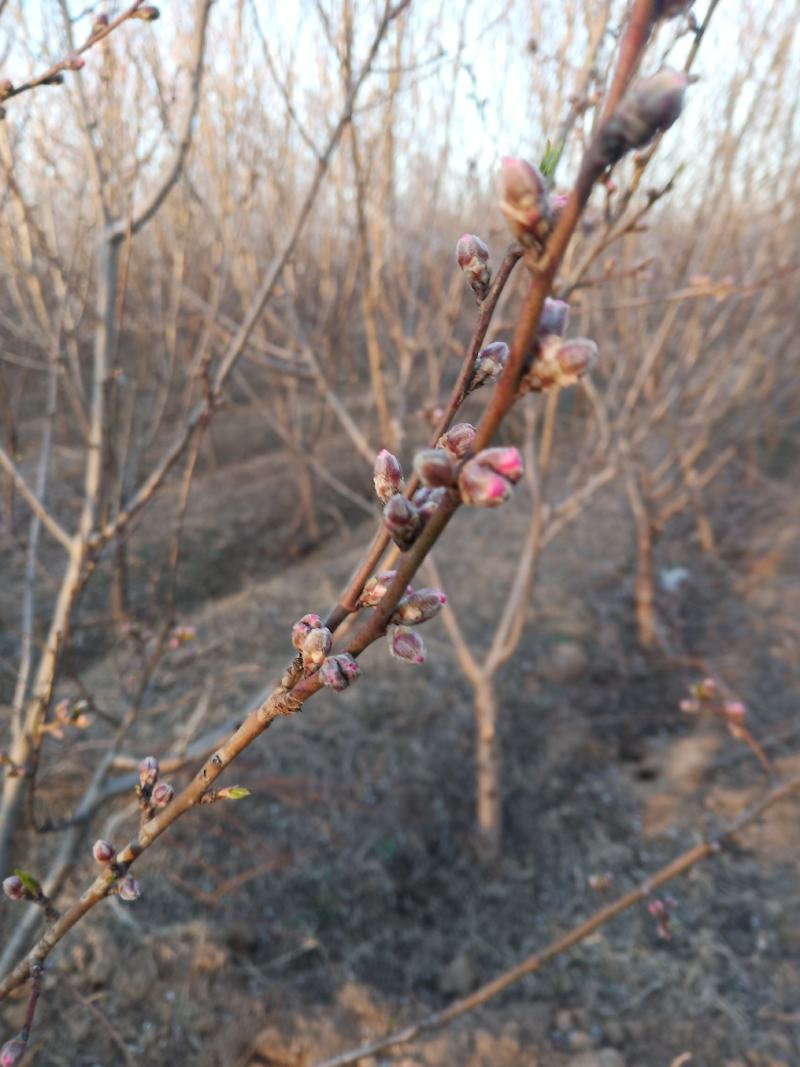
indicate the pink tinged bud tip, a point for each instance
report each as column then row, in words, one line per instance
column 148, row 771
column 302, row 628
column 14, row 888
column 12, row 1052
column 458, row 439
column 524, row 201
column 489, row 364
column 387, row 476
column 734, row 709
column 561, row 363
column 488, row 479
column 402, row 521
column 419, row 607
column 376, row 587
column 436, row 468
column 407, row 645
column 472, row 256
column 103, row 852
column 130, row 888
column 316, row 647
column 162, row 794
column 339, row 672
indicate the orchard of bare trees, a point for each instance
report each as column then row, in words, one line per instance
column 423, row 376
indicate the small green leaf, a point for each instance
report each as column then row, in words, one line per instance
column 237, row 792
column 28, row 881
column 552, row 154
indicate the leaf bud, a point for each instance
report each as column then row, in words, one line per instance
column 148, row 772
column 489, row 364
column 403, row 521
column 103, row 852
column 14, row 888
column 420, row 606
column 436, row 468
column 162, row 795
column 427, row 501
column 129, row 888
column 472, row 256
column 524, row 201
column 407, row 645
column 387, row 476
column 338, row 672
column 458, row 439
column 316, row 647
column 302, row 628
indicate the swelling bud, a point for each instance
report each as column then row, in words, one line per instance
column 402, row 521
column 407, row 645
column 436, row 468
column 472, row 256
column 104, row 852
column 489, row 364
column 458, row 439
column 339, row 672
column 524, row 201
column 420, row 606
column 387, row 476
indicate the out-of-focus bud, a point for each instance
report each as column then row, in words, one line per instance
column 419, row 607
column 472, row 256
column 458, row 439
column 54, row 79
column 129, row 889
column 148, row 772
column 487, row 480
column 668, row 9
column 100, row 24
column 6, row 88
column 338, row 672
column 403, row 521
column 734, row 710
column 316, row 647
column 148, row 13
column 524, row 201
column 560, row 363
column 75, row 63
column 12, row 1052
column 388, row 476
column 103, row 852
column 436, row 468
column 407, row 645
column 426, row 501
column 162, row 795
column 553, row 319
column 557, row 202
column 302, row 628
column 14, row 888
column 489, row 364
column 649, row 107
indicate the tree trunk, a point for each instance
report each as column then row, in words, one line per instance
column 487, row 777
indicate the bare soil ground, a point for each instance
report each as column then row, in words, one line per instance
column 344, row 897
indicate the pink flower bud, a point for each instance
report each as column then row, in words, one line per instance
column 489, row 364
column 14, row 888
column 148, row 772
column 388, row 476
column 338, row 672
column 553, row 319
column 303, row 628
column 472, row 256
column 376, row 587
column 407, row 645
column 734, row 709
column 129, row 889
column 506, row 461
column 316, row 647
column 458, row 439
column 103, row 852
column 402, row 521
column 162, row 795
column 12, row 1052
column 689, row 707
column 649, row 107
column 420, row 606
column 524, row 201
column 560, row 362
column 436, row 467
column 487, row 480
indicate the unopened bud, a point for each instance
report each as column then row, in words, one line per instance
column 376, row 587
column 420, row 606
column 129, row 889
column 576, row 358
column 487, row 480
column 472, row 256
column 489, row 364
column 14, row 888
column 436, row 468
column 403, row 521
column 561, row 363
column 649, row 107
column 524, row 201
column 407, row 645
column 148, row 772
column 148, row 13
column 553, row 319
column 103, row 852
column 426, row 501
column 302, row 628
column 458, row 439
column 338, row 672
column 75, row 63
column 388, row 476
column 12, row 1052
column 162, row 795
column 316, row 647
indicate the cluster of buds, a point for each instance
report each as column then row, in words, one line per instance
column 67, row 713
column 339, row 672
column 472, row 256
column 661, row 910
column 152, row 794
column 706, row 696
column 487, row 480
column 525, row 201
column 127, row 888
column 405, row 519
column 313, row 641
column 405, row 644
column 489, row 364
column 559, row 363
column 648, row 108
column 104, row 853
column 182, row 635
column 458, row 439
